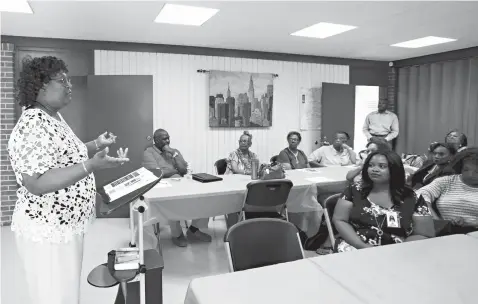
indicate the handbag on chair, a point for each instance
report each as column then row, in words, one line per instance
column 271, row 171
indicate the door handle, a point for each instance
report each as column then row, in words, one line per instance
column 149, row 138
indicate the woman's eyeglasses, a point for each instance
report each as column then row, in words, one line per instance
column 64, row 81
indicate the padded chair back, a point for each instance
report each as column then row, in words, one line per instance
column 268, row 196
column 274, row 158
column 329, row 205
column 221, row 166
column 262, row 242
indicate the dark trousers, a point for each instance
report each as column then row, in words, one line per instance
column 392, row 142
column 443, row 228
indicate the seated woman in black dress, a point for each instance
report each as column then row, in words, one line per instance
column 381, row 209
column 291, row 157
column 442, row 155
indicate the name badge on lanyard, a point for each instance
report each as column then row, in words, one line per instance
column 392, row 219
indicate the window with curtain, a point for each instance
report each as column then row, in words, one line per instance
column 435, row 98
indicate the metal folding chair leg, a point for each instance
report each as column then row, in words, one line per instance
column 329, row 227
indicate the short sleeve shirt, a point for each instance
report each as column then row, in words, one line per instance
column 39, row 143
column 328, row 156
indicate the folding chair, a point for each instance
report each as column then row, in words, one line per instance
column 266, row 198
column 329, row 205
column 221, row 166
column 262, row 242
column 274, row 158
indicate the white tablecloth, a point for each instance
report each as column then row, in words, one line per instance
column 296, row 282
column 188, row 199
column 434, row 271
column 473, row 234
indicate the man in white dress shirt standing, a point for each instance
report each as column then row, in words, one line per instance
column 381, row 123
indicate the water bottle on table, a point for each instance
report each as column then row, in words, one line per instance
column 255, row 169
column 189, row 173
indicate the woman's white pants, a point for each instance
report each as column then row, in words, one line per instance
column 52, row 271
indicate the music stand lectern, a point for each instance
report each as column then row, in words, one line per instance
column 151, row 264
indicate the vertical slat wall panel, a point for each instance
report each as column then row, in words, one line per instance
column 181, row 100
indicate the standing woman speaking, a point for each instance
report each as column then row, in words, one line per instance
column 56, row 198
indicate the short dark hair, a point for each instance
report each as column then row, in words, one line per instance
column 447, row 146
column 381, row 143
column 294, row 133
column 467, row 155
column 398, row 188
column 463, row 138
column 157, row 132
column 35, row 74
column 343, row 132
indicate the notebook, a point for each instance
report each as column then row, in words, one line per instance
column 206, row 178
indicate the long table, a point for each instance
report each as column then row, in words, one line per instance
column 439, row 270
column 186, row 199
column 295, row 282
column 473, row 234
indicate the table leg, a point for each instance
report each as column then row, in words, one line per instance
column 124, row 288
column 131, row 225
column 158, row 238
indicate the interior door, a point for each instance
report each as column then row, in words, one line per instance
column 122, row 105
column 338, row 110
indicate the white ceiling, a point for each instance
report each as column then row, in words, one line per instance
column 260, row 26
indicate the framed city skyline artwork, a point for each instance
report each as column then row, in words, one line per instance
column 238, row 100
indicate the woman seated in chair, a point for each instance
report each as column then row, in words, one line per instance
column 442, row 154
column 240, row 161
column 454, row 198
column 457, row 139
column 381, row 209
column 375, row 144
column 291, row 157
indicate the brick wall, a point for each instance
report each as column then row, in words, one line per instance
column 7, row 114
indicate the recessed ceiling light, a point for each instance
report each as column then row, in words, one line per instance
column 323, row 30
column 185, row 15
column 15, row 6
column 422, row 42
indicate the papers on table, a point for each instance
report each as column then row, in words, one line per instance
column 129, row 183
column 319, row 179
column 309, row 170
column 163, row 184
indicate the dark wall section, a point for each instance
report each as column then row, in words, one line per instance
column 362, row 72
column 446, row 56
column 374, row 75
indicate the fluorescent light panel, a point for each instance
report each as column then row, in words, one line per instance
column 323, row 30
column 15, row 6
column 185, row 15
column 422, row 42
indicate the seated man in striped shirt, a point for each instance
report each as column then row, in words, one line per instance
column 381, row 123
column 455, row 198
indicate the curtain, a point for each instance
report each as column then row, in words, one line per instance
column 435, row 98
